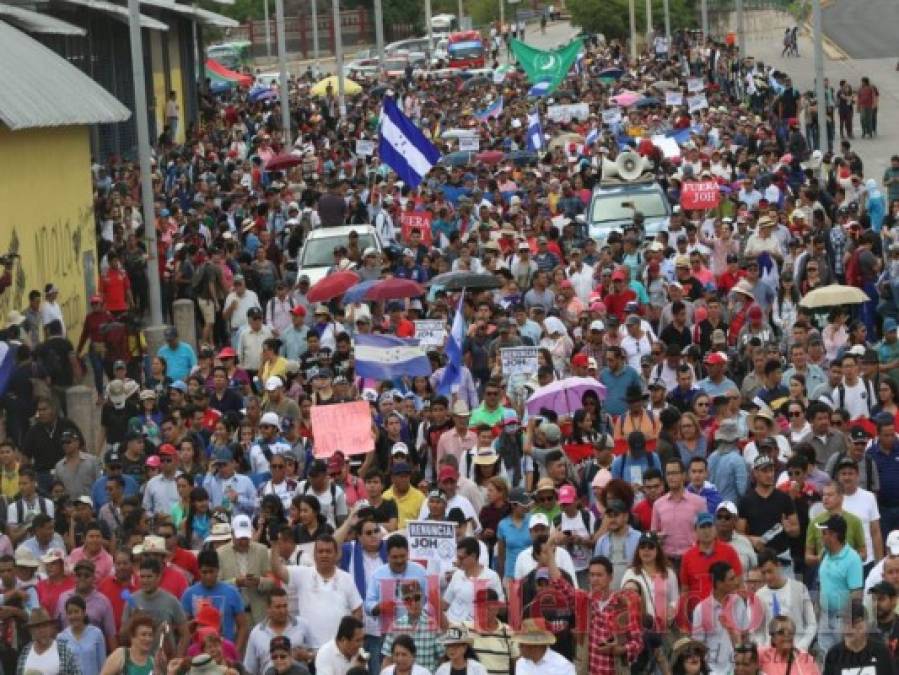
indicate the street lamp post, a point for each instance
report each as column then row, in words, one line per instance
column 143, row 154
column 268, row 30
column 633, row 19
column 648, row 20
column 705, row 19
column 428, row 26
column 820, row 93
column 741, row 31
column 282, row 75
column 379, row 32
column 667, row 23
column 338, row 53
column 315, row 51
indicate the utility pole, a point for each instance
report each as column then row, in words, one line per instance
column 338, row 53
column 502, row 16
column 667, row 24
column 705, row 20
column 146, row 181
column 633, row 17
column 379, row 33
column 428, row 21
column 741, row 31
column 282, row 78
column 648, row 21
column 268, row 30
column 315, row 51
column 461, row 11
column 820, row 93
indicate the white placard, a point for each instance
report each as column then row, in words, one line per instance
column 695, row 84
column 519, row 360
column 697, row 102
column 567, row 112
column 674, row 98
column 432, row 540
column 430, row 332
column 469, row 143
column 611, row 116
column 365, row 148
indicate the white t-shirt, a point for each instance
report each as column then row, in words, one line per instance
column 329, row 660
column 472, row 667
column 258, row 460
column 330, row 511
column 525, row 563
column 46, row 663
column 855, row 400
column 245, row 302
column 863, row 504
column 322, row 603
column 580, row 555
column 460, row 593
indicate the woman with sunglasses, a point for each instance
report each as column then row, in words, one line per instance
column 702, row 408
column 692, row 442
column 782, row 656
column 657, row 579
column 799, row 426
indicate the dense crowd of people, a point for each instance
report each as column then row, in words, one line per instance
column 722, row 497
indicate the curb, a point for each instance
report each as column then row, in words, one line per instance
column 831, row 49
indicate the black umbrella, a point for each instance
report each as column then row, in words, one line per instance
column 521, row 157
column 476, row 82
column 458, row 158
column 457, row 281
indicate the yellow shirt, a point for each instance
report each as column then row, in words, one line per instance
column 277, row 367
column 9, row 483
column 408, row 506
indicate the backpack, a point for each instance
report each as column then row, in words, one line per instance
column 332, row 488
column 585, row 518
column 19, row 505
column 854, row 270
column 841, row 395
column 52, row 362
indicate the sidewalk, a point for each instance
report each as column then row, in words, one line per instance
column 875, row 153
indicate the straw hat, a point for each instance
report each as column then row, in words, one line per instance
column 534, row 632
column 457, row 635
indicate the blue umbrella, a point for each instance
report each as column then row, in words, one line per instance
column 357, row 292
column 611, row 73
column 459, row 158
column 217, row 88
column 647, row 102
column 521, row 157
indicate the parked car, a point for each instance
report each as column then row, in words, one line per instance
column 316, row 257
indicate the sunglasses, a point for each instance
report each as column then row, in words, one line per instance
column 795, row 413
column 546, row 499
column 371, row 532
column 724, row 516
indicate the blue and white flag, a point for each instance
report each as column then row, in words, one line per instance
column 452, row 374
column 540, row 89
column 386, row 357
column 535, row 132
column 591, row 137
column 403, row 147
column 7, row 365
column 495, row 109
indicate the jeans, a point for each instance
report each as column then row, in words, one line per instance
column 372, row 645
column 869, row 309
column 96, row 362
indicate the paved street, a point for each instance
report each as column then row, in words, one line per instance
column 864, row 29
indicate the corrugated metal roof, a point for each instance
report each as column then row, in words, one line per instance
column 119, row 12
column 45, row 90
column 204, row 16
column 35, row 22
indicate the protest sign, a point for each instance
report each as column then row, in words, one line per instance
column 697, row 102
column 517, row 360
column 430, row 332
column 365, row 148
column 695, row 84
column 699, row 195
column 564, row 113
column 416, row 220
column 674, row 98
column 469, row 144
column 342, row 426
column 611, row 116
column 432, row 540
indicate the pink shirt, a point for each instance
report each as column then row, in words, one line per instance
column 771, row 664
column 103, row 562
column 675, row 520
column 451, row 443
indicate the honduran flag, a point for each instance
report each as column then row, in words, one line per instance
column 495, row 109
column 386, row 357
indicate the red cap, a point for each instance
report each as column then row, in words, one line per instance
column 207, row 615
column 618, row 275
column 299, row 310
column 167, row 449
column 566, row 283
column 654, row 267
column 580, row 360
column 716, row 359
column 447, row 472
column 227, row 353
column 755, row 312
column 96, row 298
column 336, row 461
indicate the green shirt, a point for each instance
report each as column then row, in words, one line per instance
column 481, row 415
column 855, row 534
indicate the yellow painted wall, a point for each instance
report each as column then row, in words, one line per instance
column 47, row 217
column 159, row 92
column 176, row 76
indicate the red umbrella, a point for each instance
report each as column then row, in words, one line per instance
column 283, row 161
column 332, row 285
column 393, row 288
column 490, row 156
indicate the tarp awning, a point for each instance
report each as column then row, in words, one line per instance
column 119, row 12
column 204, row 16
column 35, row 22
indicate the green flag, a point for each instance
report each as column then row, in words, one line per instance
column 552, row 65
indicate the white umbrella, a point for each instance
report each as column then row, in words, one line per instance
column 459, row 133
column 834, row 295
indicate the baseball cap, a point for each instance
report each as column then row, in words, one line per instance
column 762, row 461
column 616, row 506
column 716, row 358
column 270, row 418
column 437, row 494
column 892, row 542
column 336, row 462
column 447, row 473
column 835, row 523
column 579, row 360
column 858, row 435
column 319, row 466
column 399, row 448
column 167, row 449
column 567, row 495
column 272, row 383
column 242, row 527
column 704, row 518
column 153, row 461
column 597, row 325
column 728, row 506
column 518, row 495
column 222, row 455
column 537, row 520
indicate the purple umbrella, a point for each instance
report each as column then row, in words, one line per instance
column 566, row 396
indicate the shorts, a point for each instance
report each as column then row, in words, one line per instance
column 207, row 311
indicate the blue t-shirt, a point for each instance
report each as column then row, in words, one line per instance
column 516, row 540
column 179, row 361
column 224, row 597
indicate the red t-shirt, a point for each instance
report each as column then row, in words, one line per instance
column 186, row 561
column 48, row 592
column 695, row 580
column 617, row 302
column 405, row 329
column 643, row 513
column 112, row 589
column 115, row 285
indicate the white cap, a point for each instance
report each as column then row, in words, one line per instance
column 399, row 448
column 892, row 542
column 597, row 325
column 728, row 506
column 371, row 250
column 538, row 519
column 241, row 527
column 857, row 350
column 270, row 419
column 274, row 382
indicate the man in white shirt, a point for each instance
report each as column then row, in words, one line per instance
column 862, row 504
column 325, row 594
column 237, row 303
column 782, row 596
column 534, row 644
column 470, row 577
column 708, row 626
column 340, row 654
column 855, row 395
column 527, row 561
column 330, row 496
column 636, row 343
column 278, row 623
column 268, row 444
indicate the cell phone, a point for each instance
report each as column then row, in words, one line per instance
column 567, row 533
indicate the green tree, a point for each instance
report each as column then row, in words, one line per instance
column 611, row 17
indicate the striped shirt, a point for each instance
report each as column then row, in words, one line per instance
column 495, row 649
